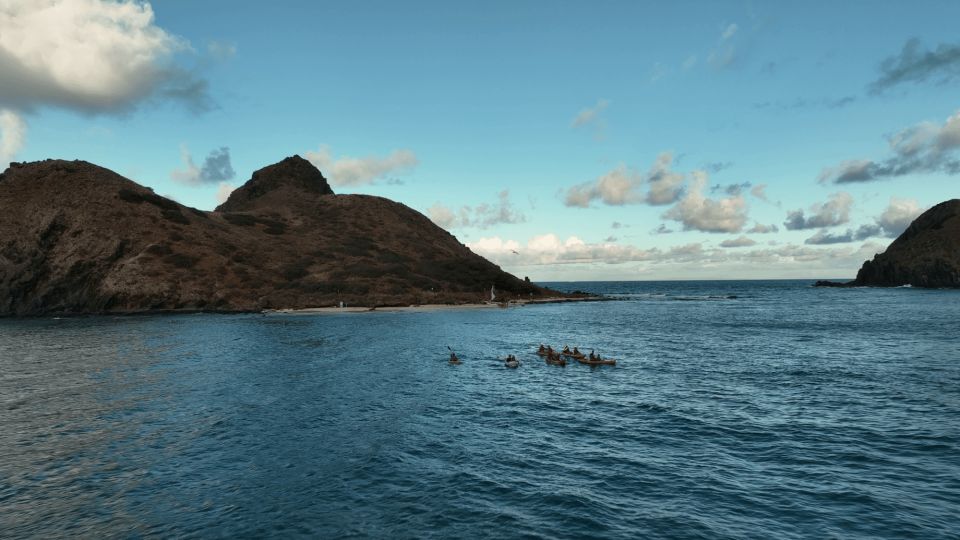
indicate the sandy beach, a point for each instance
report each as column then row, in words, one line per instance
column 423, row 308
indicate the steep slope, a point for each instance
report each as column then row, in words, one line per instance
column 927, row 254
column 78, row 238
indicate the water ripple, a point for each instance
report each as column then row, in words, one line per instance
column 738, row 410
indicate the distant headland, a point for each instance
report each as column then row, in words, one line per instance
column 76, row 238
column 927, row 254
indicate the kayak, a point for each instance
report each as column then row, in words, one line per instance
column 512, row 364
column 561, row 362
column 597, row 362
column 574, row 355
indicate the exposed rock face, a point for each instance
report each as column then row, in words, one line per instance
column 78, row 238
column 927, row 254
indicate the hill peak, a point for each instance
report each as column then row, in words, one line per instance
column 292, row 174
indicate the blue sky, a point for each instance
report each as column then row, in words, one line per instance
column 556, row 138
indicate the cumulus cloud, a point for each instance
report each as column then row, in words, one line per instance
column 915, row 64
column 616, row 188
column 895, row 219
column 481, row 216
column 760, row 228
column 590, row 115
column 224, row 190
column 898, row 215
column 216, row 167
column 442, row 216
column 664, row 185
column 835, row 211
column 352, row 171
column 13, row 132
column 742, row 241
column 90, row 55
column 924, row 148
column 625, row 185
column 699, row 213
column 823, row 237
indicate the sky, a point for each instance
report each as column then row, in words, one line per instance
column 562, row 140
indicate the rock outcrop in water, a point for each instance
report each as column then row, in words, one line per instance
column 77, row 238
column 927, row 254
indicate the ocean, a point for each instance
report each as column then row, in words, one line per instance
column 737, row 409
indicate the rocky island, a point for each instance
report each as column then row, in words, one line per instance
column 927, row 254
column 76, row 238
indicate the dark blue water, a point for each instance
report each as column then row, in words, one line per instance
column 738, row 410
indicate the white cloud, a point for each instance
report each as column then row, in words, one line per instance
column 89, row 55
column 92, row 56
column 824, row 237
column 547, row 249
column 481, row 216
column 590, row 115
column 442, row 216
column 548, row 255
column 224, row 190
column 625, row 185
column 729, row 31
column 742, row 241
column 763, row 229
column 352, row 171
column 898, row 215
column 927, row 147
column 664, row 184
column 216, row 168
column 616, row 188
column 835, row 211
column 725, row 53
column 697, row 212
column 760, row 192
column 13, row 131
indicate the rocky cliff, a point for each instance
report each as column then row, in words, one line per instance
column 78, row 238
column 927, row 254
